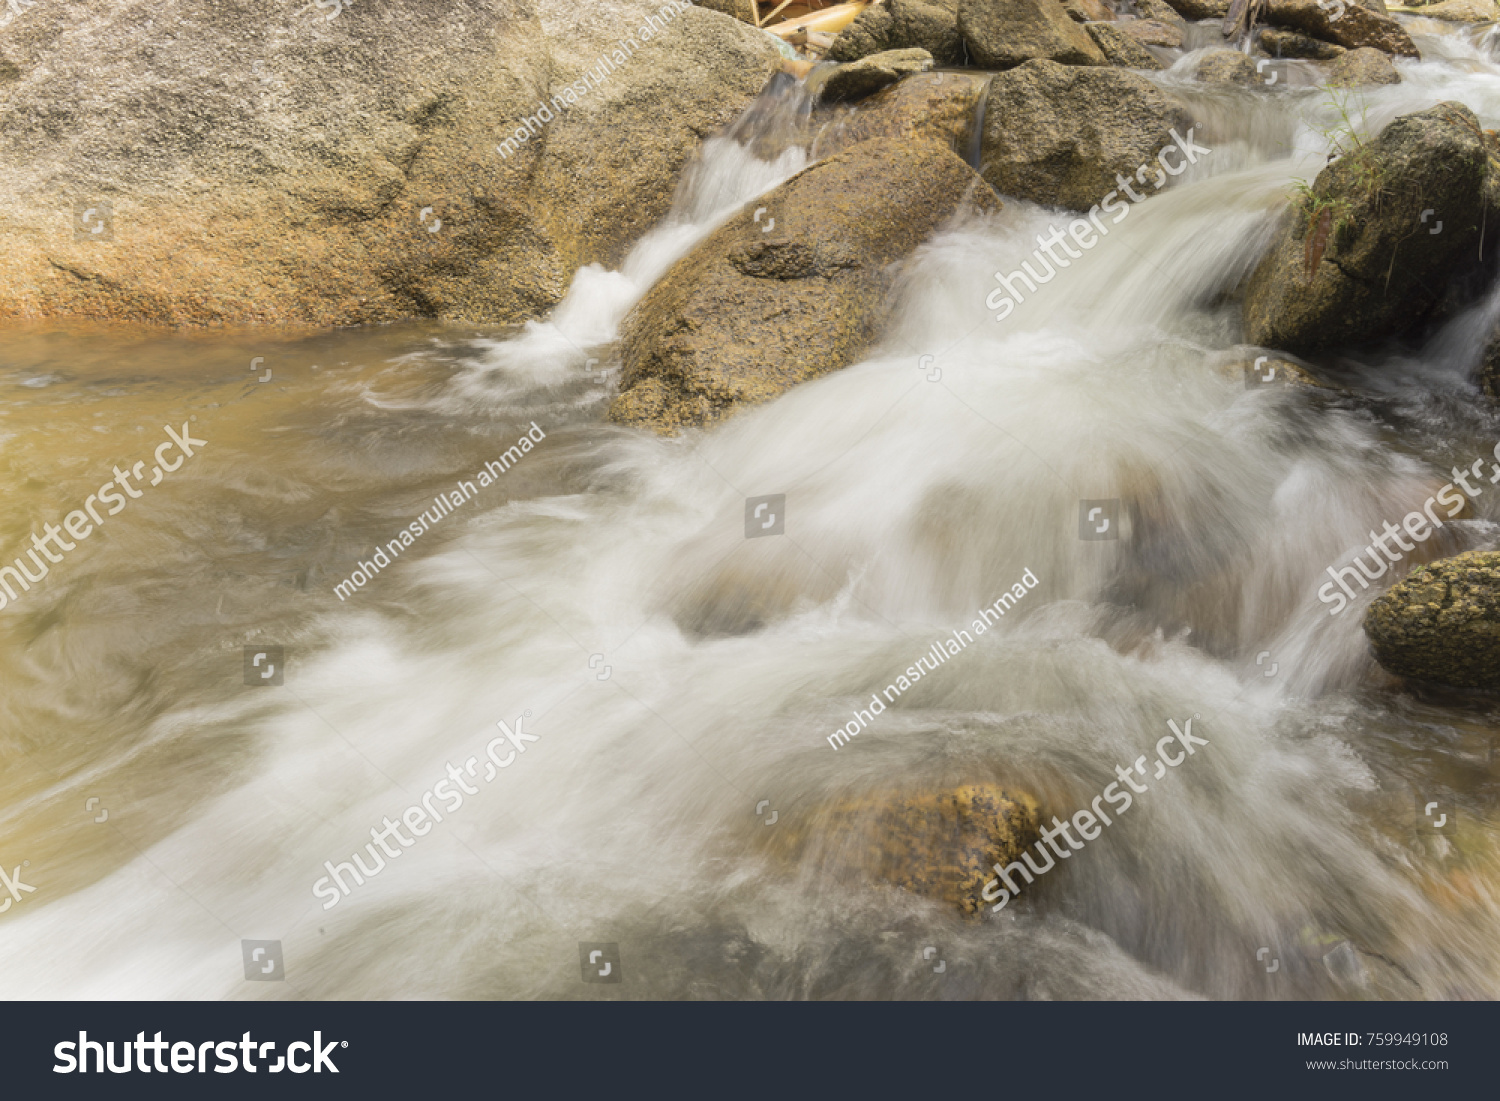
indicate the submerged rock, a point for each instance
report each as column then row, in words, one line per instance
column 1282, row 43
column 1001, row 34
column 1227, row 67
column 1272, row 371
column 265, row 164
column 941, row 845
column 930, row 25
column 1063, row 136
column 939, row 106
column 1345, row 24
column 1361, row 256
column 1442, row 623
column 1362, row 66
column 1120, row 49
column 767, row 302
column 870, row 74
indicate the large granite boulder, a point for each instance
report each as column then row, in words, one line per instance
column 1366, row 253
column 790, row 289
column 1442, row 623
column 255, row 162
column 1062, row 135
column 1001, row 34
column 1344, row 23
column 930, row 25
column 940, row 106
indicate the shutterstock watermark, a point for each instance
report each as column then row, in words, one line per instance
column 1006, row 296
column 1088, row 820
column 1418, row 525
column 418, row 817
column 603, row 68
column 12, row 887
column 77, row 522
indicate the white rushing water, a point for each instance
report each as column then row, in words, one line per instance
column 919, row 485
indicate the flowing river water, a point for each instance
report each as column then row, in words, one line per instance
column 681, row 680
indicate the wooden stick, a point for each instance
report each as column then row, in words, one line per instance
column 761, row 20
column 835, row 18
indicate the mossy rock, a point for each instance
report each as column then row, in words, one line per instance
column 1399, row 218
column 1442, row 623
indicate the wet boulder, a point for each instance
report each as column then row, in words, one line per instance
column 790, row 288
column 861, row 78
column 1149, row 32
column 1001, row 34
column 1064, row 136
column 1442, row 623
column 940, row 106
column 939, row 844
column 1362, row 66
column 1227, row 67
column 1343, row 23
column 1120, row 49
column 1367, row 251
column 1282, row 43
column 930, row 25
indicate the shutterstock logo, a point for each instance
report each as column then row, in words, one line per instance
column 190, row 1058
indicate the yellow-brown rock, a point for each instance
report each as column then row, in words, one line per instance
column 792, row 287
column 941, row 845
column 941, row 106
column 286, row 163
